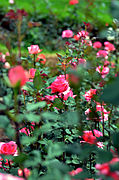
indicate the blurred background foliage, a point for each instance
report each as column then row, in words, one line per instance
column 52, row 17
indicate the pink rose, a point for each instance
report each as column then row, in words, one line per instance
column 18, row 74
column 89, row 94
column 77, row 37
column 9, row 177
column 102, row 53
column 59, row 85
column 51, row 98
column 97, row 133
column 9, row 148
column 86, row 42
column 75, row 172
column 109, row 46
column 34, row 49
column 32, row 73
column 97, row 44
column 11, row 1
column 73, row 2
column 83, row 33
column 67, row 34
column 26, row 172
column 103, row 70
column 66, row 94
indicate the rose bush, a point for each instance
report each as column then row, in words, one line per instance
column 62, row 123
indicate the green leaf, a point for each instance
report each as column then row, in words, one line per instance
column 50, row 116
column 71, row 118
column 2, row 107
column 4, row 121
column 111, row 92
column 37, row 81
column 8, row 99
column 115, row 139
column 28, row 140
column 58, row 103
column 32, row 117
column 34, row 106
column 103, row 156
column 21, row 158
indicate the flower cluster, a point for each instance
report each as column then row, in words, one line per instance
column 99, row 108
column 105, row 169
column 91, row 137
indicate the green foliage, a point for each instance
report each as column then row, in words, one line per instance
column 111, row 92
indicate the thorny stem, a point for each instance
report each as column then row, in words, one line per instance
column 34, row 62
column 19, row 36
column 17, row 126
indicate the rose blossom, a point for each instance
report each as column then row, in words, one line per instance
column 66, row 94
column 67, row 34
column 91, row 139
column 73, row 2
column 9, row 177
column 97, row 44
column 105, row 169
column 103, row 70
column 77, row 37
column 18, row 74
column 102, row 53
column 109, row 46
column 11, row 1
column 25, row 131
column 7, row 65
column 75, row 172
column 34, row 49
column 9, row 148
column 59, row 85
column 83, row 33
column 26, row 172
column 32, row 73
column 89, row 94
column 41, row 56
column 86, row 42
column 51, row 98
column 101, row 109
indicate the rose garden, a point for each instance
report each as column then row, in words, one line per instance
column 59, row 90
